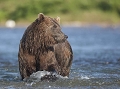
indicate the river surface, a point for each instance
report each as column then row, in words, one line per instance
column 96, row 62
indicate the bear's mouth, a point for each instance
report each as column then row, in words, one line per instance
column 66, row 36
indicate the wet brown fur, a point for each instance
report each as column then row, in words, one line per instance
column 44, row 47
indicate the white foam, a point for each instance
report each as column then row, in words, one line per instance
column 85, row 77
column 40, row 74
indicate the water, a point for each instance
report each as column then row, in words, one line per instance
column 96, row 63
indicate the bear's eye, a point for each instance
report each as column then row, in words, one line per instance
column 54, row 26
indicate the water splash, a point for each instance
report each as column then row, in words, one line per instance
column 44, row 75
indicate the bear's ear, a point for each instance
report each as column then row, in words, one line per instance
column 41, row 16
column 58, row 19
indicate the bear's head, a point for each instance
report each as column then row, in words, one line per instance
column 49, row 30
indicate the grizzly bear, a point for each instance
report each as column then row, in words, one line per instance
column 44, row 47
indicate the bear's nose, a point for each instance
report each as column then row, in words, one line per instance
column 66, row 36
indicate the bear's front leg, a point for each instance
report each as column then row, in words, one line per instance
column 27, row 64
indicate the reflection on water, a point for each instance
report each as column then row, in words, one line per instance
column 96, row 63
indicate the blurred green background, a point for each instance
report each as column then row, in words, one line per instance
column 91, row 11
